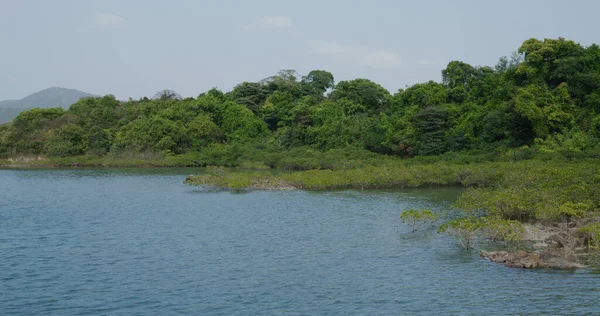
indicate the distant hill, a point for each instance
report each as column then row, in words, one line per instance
column 48, row 98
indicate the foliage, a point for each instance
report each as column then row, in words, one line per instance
column 592, row 233
column 464, row 230
column 542, row 102
column 416, row 218
column 498, row 229
column 167, row 94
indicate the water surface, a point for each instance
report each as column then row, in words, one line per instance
column 139, row 242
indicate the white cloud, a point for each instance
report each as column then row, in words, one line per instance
column 109, row 19
column 268, row 23
column 355, row 55
column 11, row 79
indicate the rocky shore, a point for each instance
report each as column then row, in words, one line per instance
column 549, row 259
column 555, row 246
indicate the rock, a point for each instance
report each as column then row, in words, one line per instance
column 521, row 254
column 529, row 264
column 550, row 258
column 537, row 232
column 558, row 254
column 540, row 245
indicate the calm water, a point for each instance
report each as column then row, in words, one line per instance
column 135, row 242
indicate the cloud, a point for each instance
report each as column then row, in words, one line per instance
column 109, row 19
column 355, row 55
column 11, row 79
column 268, row 23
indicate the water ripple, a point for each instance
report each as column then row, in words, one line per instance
column 131, row 242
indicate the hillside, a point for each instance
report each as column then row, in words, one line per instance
column 544, row 100
column 48, row 98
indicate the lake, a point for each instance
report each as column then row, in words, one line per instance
column 140, row 242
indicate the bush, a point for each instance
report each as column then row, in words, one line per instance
column 416, row 218
column 592, row 234
column 464, row 230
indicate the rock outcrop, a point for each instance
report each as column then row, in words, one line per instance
column 553, row 247
column 547, row 259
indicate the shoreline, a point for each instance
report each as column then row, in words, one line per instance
column 552, row 243
column 547, row 246
column 554, row 234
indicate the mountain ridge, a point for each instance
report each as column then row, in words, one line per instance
column 47, row 98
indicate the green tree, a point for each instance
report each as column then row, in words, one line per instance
column 317, row 82
column 417, row 218
column 250, row 94
column 166, row 95
column 363, row 92
column 464, row 230
column 430, row 123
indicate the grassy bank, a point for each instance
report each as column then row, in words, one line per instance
column 233, row 156
column 261, row 156
column 514, row 190
column 497, row 195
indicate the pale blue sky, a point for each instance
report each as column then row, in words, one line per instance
column 133, row 48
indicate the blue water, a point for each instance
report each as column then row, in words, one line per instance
column 139, row 242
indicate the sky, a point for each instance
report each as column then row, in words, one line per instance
column 134, row 48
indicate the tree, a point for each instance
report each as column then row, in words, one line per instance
column 101, row 112
column 165, row 95
column 458, row 74
column 592, row 233
column 430, row 124
column 317, row 82
column 423, row 95
column 284, row 81
column 241, row 125
column 498, row 229
column 363, row 92
column 250, row 94
column 203, row 131
column 541, row 58
column 416, row 218
column 547, row 112
column 36, row 118
column 464, row 230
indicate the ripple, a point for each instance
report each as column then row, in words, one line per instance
column 136, row 242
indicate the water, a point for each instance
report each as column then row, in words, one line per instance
column 139, row 242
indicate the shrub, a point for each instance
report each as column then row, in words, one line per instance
column 416, row 218
column 464, row 230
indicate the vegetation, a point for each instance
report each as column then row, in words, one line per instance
column 592, row 233
column 543, row 101
column 417, row 218
column 499, row 196
column 464, row 230
column 523, row 137
column 48, row 98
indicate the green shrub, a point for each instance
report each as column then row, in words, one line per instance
column 592, row 234
column 417, row 218
column 464, row 230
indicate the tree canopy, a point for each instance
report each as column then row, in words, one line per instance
column 546, row 94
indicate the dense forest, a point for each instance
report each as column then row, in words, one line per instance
column 544, row 99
